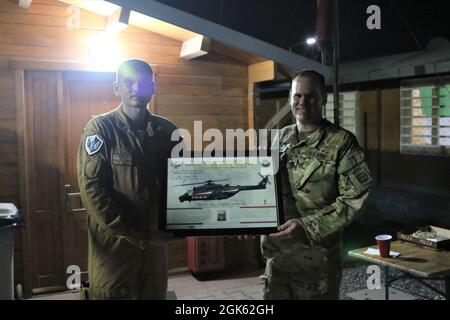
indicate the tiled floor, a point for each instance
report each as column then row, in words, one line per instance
column 67, row 295
column 243, row 287
column 248, row 286
column 186, row 287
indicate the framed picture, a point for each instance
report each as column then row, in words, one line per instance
column 222, row 196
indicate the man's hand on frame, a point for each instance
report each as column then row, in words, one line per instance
column 287, row 228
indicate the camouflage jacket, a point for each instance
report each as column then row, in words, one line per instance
column 326, row 180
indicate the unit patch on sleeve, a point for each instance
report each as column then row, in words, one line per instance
column 360, row 178
column 93, row 144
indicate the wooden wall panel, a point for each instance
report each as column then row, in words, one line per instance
column 210, row 92
column 212, row 89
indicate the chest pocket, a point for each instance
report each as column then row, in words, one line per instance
column 124, row 173
column 320, row 183
column 308, row 171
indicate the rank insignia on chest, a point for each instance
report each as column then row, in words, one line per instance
column 93, row 144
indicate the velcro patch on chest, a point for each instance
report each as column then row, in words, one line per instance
column 350, row 161
column 93, row 144
column 122, row 159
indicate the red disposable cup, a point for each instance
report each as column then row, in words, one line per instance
column 384, row 244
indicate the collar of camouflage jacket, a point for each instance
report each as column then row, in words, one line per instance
column 124, row 123
column 312, row 140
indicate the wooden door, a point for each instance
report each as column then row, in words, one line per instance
column 58, row 106
column 43, row 181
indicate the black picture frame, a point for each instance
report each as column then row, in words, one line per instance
column 188, row 231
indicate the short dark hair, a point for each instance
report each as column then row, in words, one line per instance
column 135, row 64
column 311, row 73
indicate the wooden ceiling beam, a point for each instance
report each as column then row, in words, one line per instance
column 195, row 47
column 118, row 21
column 262, row 71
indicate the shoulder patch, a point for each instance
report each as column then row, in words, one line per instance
column 360, row 178
column 93, row 144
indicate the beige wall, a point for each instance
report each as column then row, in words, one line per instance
column 383, row 144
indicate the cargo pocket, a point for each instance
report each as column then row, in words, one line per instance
column 92, row 167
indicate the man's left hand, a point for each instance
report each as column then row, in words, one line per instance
column 287, row 228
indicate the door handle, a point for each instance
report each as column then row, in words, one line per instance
column 67, row 191
column 79, row 215
column 68, row 198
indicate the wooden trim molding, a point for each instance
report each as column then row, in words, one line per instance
column 251, row 112
column 19, row 79
column 55, row 65
column 48, row 65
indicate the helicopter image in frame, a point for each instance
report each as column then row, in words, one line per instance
column 208, row 190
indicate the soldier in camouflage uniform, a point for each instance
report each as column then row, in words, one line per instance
column 121, row 173
column 325, row 182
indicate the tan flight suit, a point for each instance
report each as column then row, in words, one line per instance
column 325, row 182
column 122, row 179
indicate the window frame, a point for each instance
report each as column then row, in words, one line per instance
column 342, row 101
column 407, row 113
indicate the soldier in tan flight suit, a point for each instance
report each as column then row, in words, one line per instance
column 325, row 182
column 122, row 177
